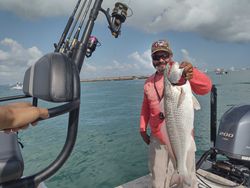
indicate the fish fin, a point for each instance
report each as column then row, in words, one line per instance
column 181, row 177
column 171, row 154
column 181, row 97
column 173, row 158
column 165, row 73
column 196, row 103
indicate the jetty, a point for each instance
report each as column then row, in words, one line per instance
column 117, row 78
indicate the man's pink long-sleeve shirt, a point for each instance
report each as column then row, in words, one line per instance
column 200, row 84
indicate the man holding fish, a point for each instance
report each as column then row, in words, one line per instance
column 168, row 107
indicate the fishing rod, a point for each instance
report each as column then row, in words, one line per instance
column 75, row 41
column 115, row 22
column 67, row 27
column 73, row 27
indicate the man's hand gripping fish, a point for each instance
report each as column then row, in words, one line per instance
column 179, row 105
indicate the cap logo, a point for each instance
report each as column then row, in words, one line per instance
column 160, row 44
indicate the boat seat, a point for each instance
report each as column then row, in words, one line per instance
column 53, row 78
column 11, row 161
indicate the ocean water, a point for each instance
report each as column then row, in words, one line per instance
column 109, row 150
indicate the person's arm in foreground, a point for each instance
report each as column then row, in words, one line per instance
column 17, row 116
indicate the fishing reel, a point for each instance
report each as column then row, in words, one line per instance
column 118, row 16
column 91, row 46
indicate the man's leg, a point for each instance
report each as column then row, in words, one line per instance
column 158, row 163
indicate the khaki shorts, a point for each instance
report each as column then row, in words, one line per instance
column 161, row 167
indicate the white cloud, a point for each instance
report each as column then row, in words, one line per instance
column 143, row 60
column 15, row 59
column 89, row 68
column 34, row 9
column 139, row 64
column 186, row 56
column 3, row 55
column 214, row 19
column 136, row 64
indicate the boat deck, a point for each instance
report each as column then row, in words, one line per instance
column 204, row 178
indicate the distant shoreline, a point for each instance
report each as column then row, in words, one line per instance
column 114, row 78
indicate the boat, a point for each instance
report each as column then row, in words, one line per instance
column 18, row 86
column 220, row 71
column 227, row 162
column 205, row 180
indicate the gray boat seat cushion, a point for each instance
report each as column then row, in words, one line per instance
column 54, row 78
column 11, row 161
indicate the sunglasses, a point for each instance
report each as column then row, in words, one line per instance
column 161, row 56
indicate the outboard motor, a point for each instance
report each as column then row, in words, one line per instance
column 233, row 138
column 232, row 141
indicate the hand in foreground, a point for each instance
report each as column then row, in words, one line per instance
column 188, row 70
column 145, row 137
column 16, row 116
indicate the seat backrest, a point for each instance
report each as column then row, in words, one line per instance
column 54, row 78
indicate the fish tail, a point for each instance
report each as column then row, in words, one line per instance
column 178, row 180
column 187, row 180
column 175, row 180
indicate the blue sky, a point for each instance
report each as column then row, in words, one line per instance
column 209, row 33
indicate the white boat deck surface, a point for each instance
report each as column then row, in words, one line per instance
column 144, row 182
